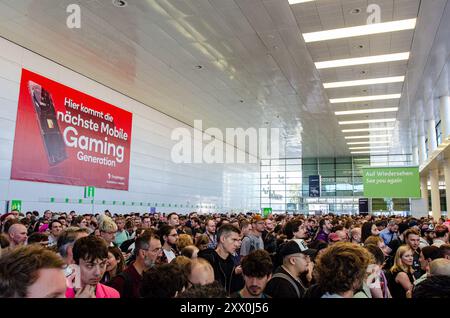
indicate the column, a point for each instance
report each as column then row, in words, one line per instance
column 432, row 142
column 435, row 197
column 415, row 156
column 424, row 188
column 446, row 165
column 444, row 111
column 422, row 150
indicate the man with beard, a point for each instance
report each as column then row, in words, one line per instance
column 257, row 270
column 146, row 251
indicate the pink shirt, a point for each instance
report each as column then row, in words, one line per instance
column 102, row 291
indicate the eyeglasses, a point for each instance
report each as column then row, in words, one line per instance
column 156, row 250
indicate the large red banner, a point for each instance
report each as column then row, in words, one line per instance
column 65, row 136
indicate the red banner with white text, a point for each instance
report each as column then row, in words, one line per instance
column 65, row 136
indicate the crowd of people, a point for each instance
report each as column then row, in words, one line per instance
column 154, row 255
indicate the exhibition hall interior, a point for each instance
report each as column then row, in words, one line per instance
column 224, row 149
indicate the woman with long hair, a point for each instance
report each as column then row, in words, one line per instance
column 115, row 264
column 368, row 229
column 401, row 274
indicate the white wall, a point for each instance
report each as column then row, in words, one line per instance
column 154, row 178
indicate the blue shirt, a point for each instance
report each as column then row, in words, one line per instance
column 388, row 236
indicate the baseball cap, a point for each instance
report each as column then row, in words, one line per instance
column 333, row 237
column 296, row 246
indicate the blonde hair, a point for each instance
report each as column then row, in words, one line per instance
column 184, row 240
column 398, row 264
column 106, row 224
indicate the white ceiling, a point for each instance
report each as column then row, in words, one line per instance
column 250, row 50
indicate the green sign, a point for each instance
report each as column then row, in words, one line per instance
column 402, row 182
column 266, row 212
column 89, row 192
column 16, row 205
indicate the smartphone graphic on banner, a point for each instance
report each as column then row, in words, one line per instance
column 46, row 115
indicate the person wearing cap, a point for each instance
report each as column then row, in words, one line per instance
column 333, row 238
column 285, row 283
column 428, row 234
column 253, row 240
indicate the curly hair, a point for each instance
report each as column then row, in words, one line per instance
column 184, row 240
column 342, row 267
column 257, row 264
column 19, row 269
column 163, row 281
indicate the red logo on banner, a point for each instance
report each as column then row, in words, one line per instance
column 65, row 136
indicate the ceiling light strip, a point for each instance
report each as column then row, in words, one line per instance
column 367, row 137
column 367, row 143
column 372, row 81
column 299, row 1
column 367, row 129
column 367, row 111
column 369, row 152
column 367, row 121
column 364, row 98
column 363, row 60
column 367, row 29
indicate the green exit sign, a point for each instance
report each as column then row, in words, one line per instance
column 89, row 192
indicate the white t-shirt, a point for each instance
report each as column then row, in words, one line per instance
column 170, row 255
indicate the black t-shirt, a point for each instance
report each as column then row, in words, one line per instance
column 279, row 287
column 224, row 270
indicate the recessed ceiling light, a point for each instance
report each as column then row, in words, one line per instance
column 299, row 1
column 363, row 60
column 367, row 143
column 367, row 137
column 367, row 111
column 367, row 129
column 367, row 121
column 369, row 152
column 119, row 3
column 369, row 148
column 372, row 81
column 366, row 29
column 364, row 98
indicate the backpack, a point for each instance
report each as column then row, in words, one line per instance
column 290, row 280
